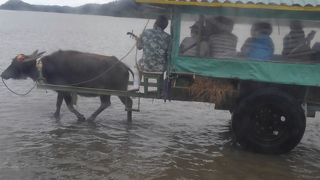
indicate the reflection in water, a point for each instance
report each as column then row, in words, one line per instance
column 171, row 140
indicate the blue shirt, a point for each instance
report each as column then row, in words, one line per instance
column 259, row 48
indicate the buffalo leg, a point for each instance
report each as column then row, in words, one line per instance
column 58, row 105
column 68, row 100
column 105, row 102
column 127, row 101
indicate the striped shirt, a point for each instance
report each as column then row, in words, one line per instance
column 293, row 40
column 191, row 47
column 223, row 45
column 295, row 46
column 188, row 47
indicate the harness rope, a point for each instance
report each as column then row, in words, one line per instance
column 136, row 56
column 120, row 60
column 104, row 72
column 18, row 94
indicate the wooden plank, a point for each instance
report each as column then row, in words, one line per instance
column 150, row 84
column 96, row 91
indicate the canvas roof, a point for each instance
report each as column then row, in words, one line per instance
column 313, row 5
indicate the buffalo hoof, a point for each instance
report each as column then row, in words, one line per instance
column 92, row 124
column 91, row 119
column 57, row 116
column 81, row 118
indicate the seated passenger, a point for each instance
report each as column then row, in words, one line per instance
column 194, row 45
column 259, row 46
column 295, row 44
column 222, row 44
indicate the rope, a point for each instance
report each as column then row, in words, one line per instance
column 18, row 94
column 120, row 60
column 136, row 56
column 106, row 71
column 35, row 84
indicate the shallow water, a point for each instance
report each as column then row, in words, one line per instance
column 173, row 140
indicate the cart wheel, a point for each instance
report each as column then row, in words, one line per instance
column 269, row 121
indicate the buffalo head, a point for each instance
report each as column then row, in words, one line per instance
column 21, row 65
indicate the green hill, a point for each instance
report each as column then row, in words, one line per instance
column 121, row 8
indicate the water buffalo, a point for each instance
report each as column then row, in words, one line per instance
column 77, row 69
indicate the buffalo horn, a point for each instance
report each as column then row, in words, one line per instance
column 35, row 55
column 40, row 54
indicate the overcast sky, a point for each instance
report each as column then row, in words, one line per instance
column 62, row 2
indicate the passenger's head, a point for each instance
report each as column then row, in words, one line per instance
column 210, row 27
column 224, row 24
column 296, row 26
column 261, row 28
column 161, row 22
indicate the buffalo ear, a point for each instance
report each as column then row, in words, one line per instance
column 39, row 55
column 34, row 56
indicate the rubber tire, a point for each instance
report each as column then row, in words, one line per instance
column 244, row 128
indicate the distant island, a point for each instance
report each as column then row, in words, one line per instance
column 120, row 8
